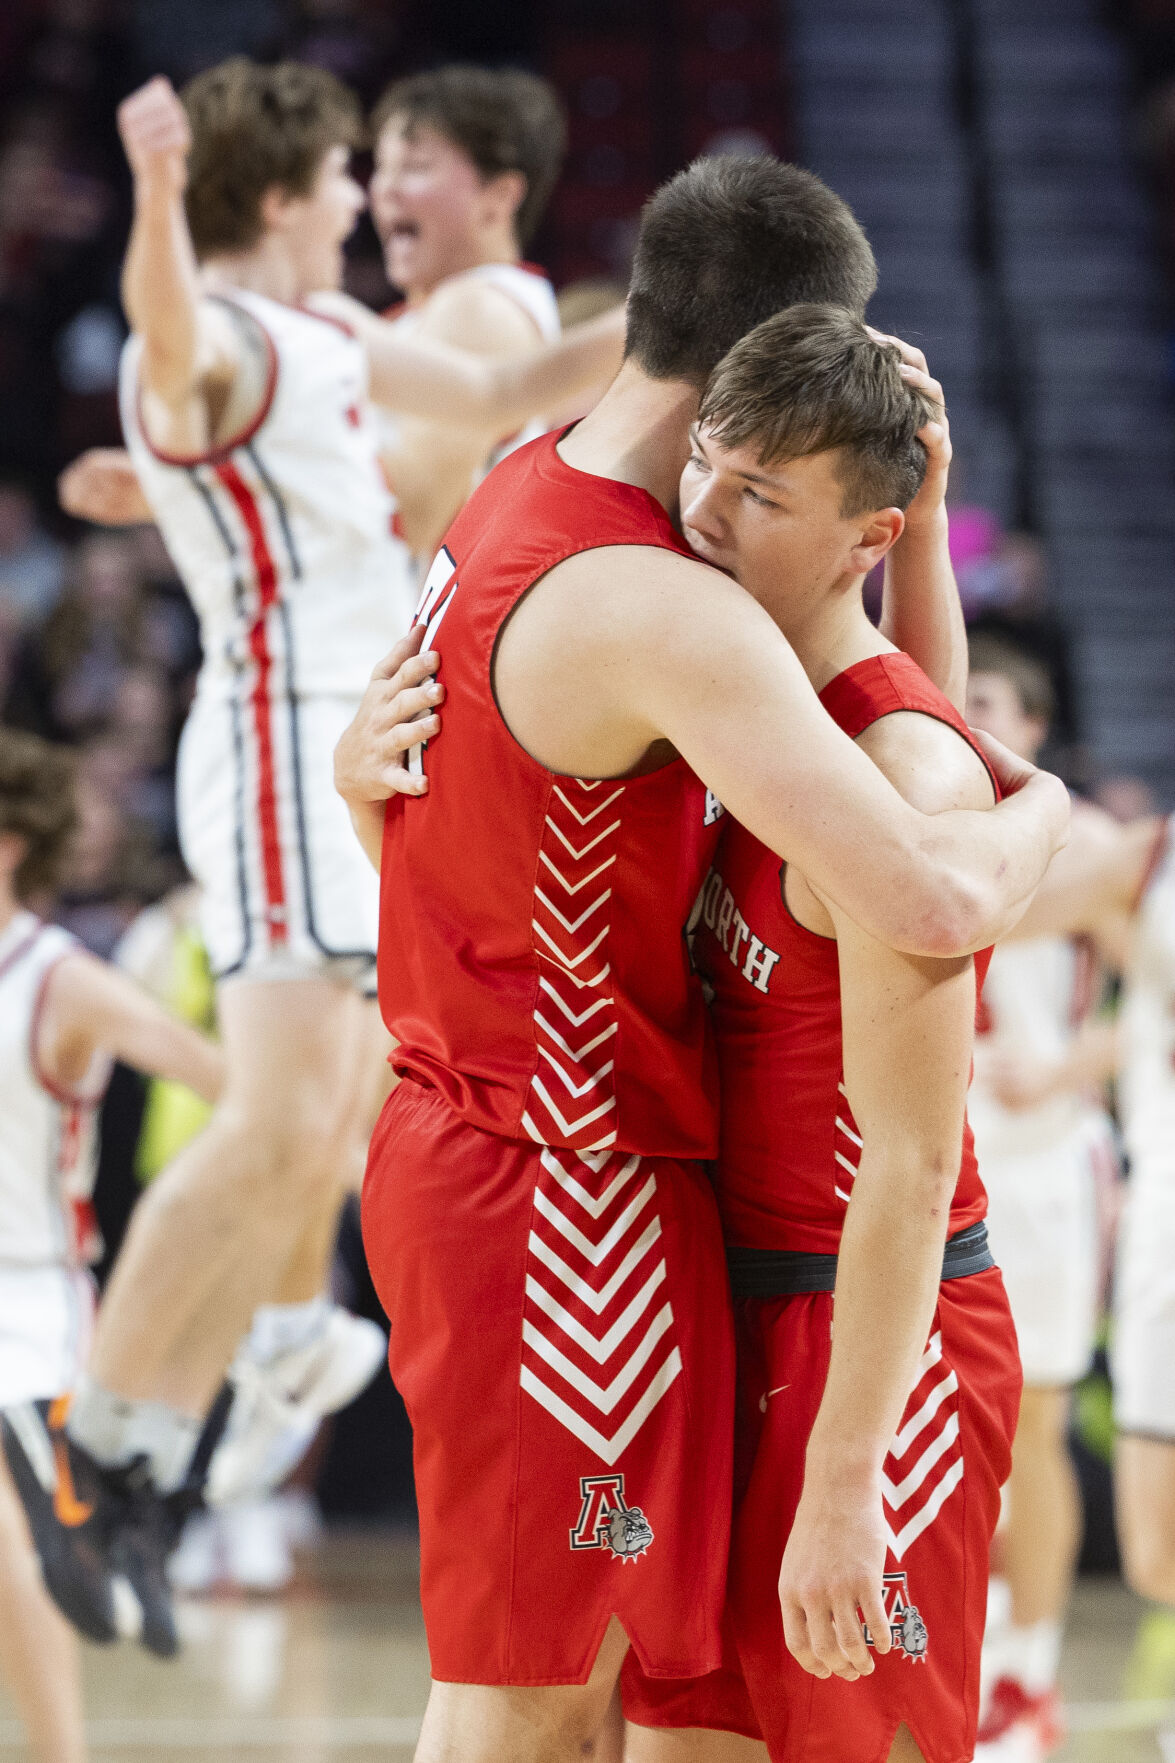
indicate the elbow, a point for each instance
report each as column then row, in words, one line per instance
column 949, row 920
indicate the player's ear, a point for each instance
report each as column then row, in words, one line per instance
column 880, row 534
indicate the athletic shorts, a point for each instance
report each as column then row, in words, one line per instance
column 46, row 1319
column 951, row 1456
column 1044, row 1224
column 1142, row 1357
column 287, row 890
column 561, row 1336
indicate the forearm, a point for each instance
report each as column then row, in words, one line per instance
column 161, row 289
column 584, row 356
column 888, row 1274
column 159, row 1044
column 989, row 865
column 368, row 820
column 921, row 611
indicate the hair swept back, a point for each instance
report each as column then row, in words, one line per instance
column 36, row 803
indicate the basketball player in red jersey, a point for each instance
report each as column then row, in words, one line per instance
column 537, row 1220
column 870, row 1447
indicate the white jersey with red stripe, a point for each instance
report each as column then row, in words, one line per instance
column 1146, row 1085
column 530, row 289
column 283, row 534
column 47, row 1134
column 1036, row 996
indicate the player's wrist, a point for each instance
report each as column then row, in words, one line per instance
column 929, row 527
column 839, row 1466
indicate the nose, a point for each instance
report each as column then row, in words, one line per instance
column 702, row 509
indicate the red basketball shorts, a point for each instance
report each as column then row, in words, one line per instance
column 949, row 1460
column 561, row 1335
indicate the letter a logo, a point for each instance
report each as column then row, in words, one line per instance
column 600, row 1496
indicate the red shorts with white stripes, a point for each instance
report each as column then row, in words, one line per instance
column 561, row 1336
column 949, row 1459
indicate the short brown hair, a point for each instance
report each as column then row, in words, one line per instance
column 992, row 652
column 811, row 380
column 255, row 127
column 37, row 803
column 725, row 244
column 500, row 117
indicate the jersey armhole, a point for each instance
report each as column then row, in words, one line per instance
column 221, row 450
column 90, row 1093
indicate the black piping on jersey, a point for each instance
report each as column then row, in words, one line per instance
column 226, row 539
column 293, row 698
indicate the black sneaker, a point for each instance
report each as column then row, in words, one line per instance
column 70, row 1512
column 147, row 1533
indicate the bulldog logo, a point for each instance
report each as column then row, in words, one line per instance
column 607, row 1521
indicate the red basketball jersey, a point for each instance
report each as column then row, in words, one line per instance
column 790, row 1146
column 533, row 964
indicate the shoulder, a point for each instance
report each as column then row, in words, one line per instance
column 650, row 590
column 475, row 313
column 928, row 762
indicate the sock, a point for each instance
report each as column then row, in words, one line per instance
column 1034, row 1655
column 284, row 1328
column 115, row 1430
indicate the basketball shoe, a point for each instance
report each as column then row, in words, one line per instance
column 280, row 1398
column 1018, row 1727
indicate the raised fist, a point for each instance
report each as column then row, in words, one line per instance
column 155, row 132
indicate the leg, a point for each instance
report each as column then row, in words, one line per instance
column 1145, row 1486
column 39, row 1656
column 690, row 1744
column 210, row 1239
column 1044, row 1511
column 904, row 1750
column 475, row 1723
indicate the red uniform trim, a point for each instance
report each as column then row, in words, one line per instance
column 69, row 1098
column 884, row 684
column 340, row 324
column 265, row 573
column 214, row 455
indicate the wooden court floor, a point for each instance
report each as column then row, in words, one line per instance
column 336, row 1672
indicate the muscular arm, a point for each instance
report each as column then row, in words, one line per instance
column 90, row 1008
column 619, row 650
column 907, row 1032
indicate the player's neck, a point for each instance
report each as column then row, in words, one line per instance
column 835, row 634
column 267, row 269
column 637, row 434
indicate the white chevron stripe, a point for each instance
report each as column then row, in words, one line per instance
column 898, row 1493
column 568, row 1183
column 934, row 1505
column 606, row 1449
column 569, row 1013
column 932, row 1356
column 590, row 783
column 602, row 1349
column 590, row 984
column 849, row 1133
column 576, row 1053
column 585, row 819
column 604, row 1398
column 570, row 961
column 841, row 1195
column 590, row 1082
column 576, row 887
column 930, row 1407
column 845, row 1164
column 597, row 1301
column 569, row 1127
column 580, row 853
column 596, row 1253
column 569, row 925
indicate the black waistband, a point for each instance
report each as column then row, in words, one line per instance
column 784, row 1273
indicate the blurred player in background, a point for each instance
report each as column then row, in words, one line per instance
column 1046, row 1151
column 248, row 422
column 64, row 1017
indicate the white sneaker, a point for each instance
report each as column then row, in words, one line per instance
column 257, row 1554
column 197, row 1563
column 279, row 1402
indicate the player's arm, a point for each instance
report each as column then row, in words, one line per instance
column 191, row 351
column 102, row 485
column 921, row 611
column 908, row 1026
column 1087, row 1064
column 90, row 1008
column 703, row 667
column 1096, row 880
column 447, row 381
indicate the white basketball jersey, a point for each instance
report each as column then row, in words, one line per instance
column 1036, row 995
column 283, row 536
column 47, row 1136
column 1146, row 1084
column 529, row 288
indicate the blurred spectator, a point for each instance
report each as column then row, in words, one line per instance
column 31, row 563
